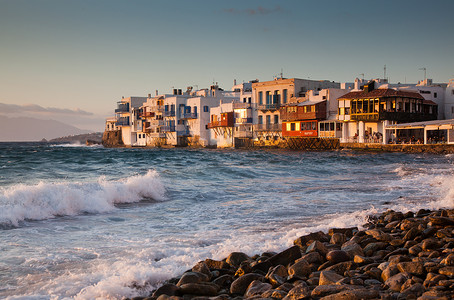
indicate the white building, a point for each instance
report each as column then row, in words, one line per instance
column 126, row 114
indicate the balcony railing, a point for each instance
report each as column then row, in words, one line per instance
column 122, row 122
column 268, row 127
column 157, row 134
column 189, row 116
column 223, row 123
column 157, row 108
column 272, row 106
column 243, row 134
column 393, row 116
column 168, row 128
column 122, row 108
column 148, row 114
column 243, row 120
column 169, row 113
column 156, row 123
column 242, row 105
column 184, row 132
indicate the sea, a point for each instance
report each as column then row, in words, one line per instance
column 79, row 222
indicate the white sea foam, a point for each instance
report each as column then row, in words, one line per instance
column 48, row 200
column 76, row 145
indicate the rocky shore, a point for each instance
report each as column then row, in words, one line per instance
column 397, row 256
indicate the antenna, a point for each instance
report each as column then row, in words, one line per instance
column 424, row 69
column 384, row 72
column 362, row 74
column 282, row 73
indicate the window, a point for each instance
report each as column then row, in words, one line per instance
column 260, row 119
column 268, row 98
column 276, row 97
column 284, row 96
column 260, row 98
column 249, row 100
column 205, row 108
column 435, row 95
column 276, row 119
column 292, row 126
column 268, row 119
column 331, row 126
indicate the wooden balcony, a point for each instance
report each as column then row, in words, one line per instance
column 401, row 117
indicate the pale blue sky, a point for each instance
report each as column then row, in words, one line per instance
column 86, row 54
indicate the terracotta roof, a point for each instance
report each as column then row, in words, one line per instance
column 429, row 102
column 377, row 93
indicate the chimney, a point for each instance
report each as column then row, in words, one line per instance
column 157, row 93
column 234, row 81
column 149, row 95
column 356, row 83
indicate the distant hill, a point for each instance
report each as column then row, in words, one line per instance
column 30, row 129
column 95, row 137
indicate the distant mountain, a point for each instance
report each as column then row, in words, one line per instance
column 30, row 129
column 93, row 138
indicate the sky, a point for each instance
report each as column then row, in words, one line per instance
column 72, row 60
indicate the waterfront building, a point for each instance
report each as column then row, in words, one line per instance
column 127, row 121
column 367, row 112
column 269, row 96
column 153, row 118
column 222, row 125
column 449, row 100
column 301, row 119
column 245, row 115
column 111, row 124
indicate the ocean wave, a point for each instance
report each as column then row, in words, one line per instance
column 48, row 200
column 75, row 145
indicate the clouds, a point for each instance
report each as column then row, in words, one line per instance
column 33, row 108
column 259, row 11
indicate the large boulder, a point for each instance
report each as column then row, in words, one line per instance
column 300, row 291
column 329, row 277
column 200, row 289
column 300, row 269
column 337, row 256
column 192, row 277
column 316, row 236
column 236, row 258
column 257, row 288
column 240, row 285
column 285, row 257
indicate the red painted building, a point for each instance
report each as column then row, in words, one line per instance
column 301, row 119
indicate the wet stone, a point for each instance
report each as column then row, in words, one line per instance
column 236, row 258
column 329, row 277
column 337, row 256
column 338, row 238
column 300, row 291
column 299, row 269
column 202, row 289
column 257, row 288
column 240, row 285
column 192, row 277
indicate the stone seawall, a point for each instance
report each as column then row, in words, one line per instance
column 112, row 139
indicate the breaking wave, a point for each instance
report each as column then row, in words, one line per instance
column 48, row 200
